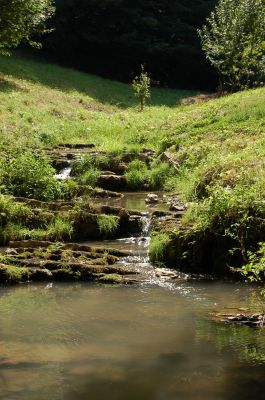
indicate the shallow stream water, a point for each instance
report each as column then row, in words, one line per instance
column 84, row 341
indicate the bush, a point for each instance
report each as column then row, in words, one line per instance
column 141, row 87
column 88, row 162
column 13, row 274
column 31, row 175
column 68, row 189
column 254, row 270
column 233, row 40
column 60, row 229
column 82, row 165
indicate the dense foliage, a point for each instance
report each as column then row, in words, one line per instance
column 19, row 19
column 114, row 37
column 234, row 42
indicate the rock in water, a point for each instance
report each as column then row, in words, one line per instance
column 152, row 198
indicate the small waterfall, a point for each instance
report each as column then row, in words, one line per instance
column 146, row 225
column 63, row 174
column 139, row 260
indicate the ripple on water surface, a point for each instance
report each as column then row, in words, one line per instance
column 71, row 342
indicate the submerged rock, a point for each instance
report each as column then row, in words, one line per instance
column 152, row 198
column 251, row 320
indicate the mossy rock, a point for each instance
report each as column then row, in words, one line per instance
column 65, row 274
column 13, row 274
column 108, row 278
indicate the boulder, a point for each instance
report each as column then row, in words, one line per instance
column 112, row 182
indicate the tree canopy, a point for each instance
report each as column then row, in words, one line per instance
column 234, row 42
column 114, row 37
column 20, row 19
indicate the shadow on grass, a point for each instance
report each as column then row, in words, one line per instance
column 103, row 90
column 7, row 86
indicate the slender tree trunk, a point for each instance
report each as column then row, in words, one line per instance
column 142, row 103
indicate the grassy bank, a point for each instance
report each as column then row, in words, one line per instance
column 219, row 153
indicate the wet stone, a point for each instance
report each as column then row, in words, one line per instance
column 251, row 320
column 152, row 198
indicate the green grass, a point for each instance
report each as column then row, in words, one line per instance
column 107, row 224
column 44, row 105
column 158, row 247
column 13, row 274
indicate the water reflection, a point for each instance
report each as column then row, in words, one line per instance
column 71, row 342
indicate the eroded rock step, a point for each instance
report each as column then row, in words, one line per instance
column 31, row 260
column 64, row 155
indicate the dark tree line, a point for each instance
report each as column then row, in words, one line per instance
column 113, row 38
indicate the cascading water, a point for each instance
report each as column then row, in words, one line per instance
column 136, row 246
column 64, row 174
column 139, row 259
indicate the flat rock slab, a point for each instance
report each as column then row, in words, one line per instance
column 251, row 320
column 61, row 262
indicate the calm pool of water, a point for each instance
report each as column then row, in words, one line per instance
column 69, row 342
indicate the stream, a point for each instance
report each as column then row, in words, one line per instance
column 154, row 340
column 137, row 246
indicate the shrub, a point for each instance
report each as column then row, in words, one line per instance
column 31, row 175
column 254, row 270
column 68, row 189
column 60, row 229
column 82, row 165
column 141, row 87
column 13, row 274
column 88, row 162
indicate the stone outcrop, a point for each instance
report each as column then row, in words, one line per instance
column 39, row 261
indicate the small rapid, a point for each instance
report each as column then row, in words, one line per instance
column 64, row 174
column 136, row 246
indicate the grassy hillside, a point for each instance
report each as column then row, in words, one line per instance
column 217, row 149
column 44, row 104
